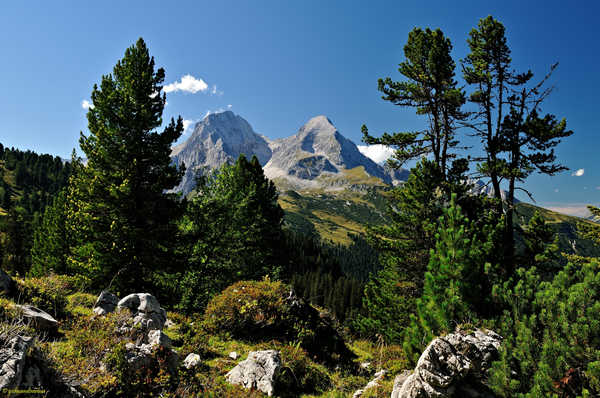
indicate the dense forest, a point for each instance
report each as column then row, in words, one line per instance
column 445, row 259
column 28, row 183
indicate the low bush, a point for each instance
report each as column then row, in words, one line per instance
column 81, row 355
column 268, row 310
column 300, row 374
column 49, row 293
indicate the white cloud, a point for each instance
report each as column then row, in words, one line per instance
column 187, row 123
column 229, row 106
column 85, row 104
column 378, row 153
column 578, row 173
column 575, row 209
column 555, row 189
column 188, row 83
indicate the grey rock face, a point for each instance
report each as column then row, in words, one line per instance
column 39, row 319
column 317, row 148
column 259, row 371
column 106, row 302
column 399, row 381
column 6, row 283
column 12, row 361
column 447, row 362
column 191, row 361
column 218, row 139
column 140, row 355
column 145, row 309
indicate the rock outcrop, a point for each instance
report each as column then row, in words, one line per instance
column 259, row 371
column 12, row 361
column 39, row 319
column 191, row 361
column 145, row 310
column 22, row 366
column 6, row 283
column 141, row 354
column 106, row 302
column 453, row 365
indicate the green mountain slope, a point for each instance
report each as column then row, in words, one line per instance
column 335, row 214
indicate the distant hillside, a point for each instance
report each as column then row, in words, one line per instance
column 28, row 182
column 564, row 225
column 336, row 215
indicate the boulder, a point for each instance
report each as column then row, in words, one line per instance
column 145, row 310
column 372, row 384
column 12, row 361
column 106, row 302
column 191, row 361
column 6, row 283
column 39, row 319
column 259, row 371
column 453, row 365
column 141, row 354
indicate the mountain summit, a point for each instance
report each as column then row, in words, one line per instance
column 317, row 152
column 218, row 139
column 316, row 149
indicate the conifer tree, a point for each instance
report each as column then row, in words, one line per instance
column 517, row 140
column 429, row 88
column 123, row 220
column 51, row 242
column 449, row 287
column 541, row 246
column 232, row 231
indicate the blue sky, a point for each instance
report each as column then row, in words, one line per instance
column 278, row 63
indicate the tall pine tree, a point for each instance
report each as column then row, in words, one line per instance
column 123, row 220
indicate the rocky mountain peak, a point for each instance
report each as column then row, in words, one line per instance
column 217, row 139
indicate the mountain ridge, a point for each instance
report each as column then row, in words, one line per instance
column 317, row 156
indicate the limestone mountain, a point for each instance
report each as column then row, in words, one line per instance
column 218, row 139
column 317, row 156
column 318, row 149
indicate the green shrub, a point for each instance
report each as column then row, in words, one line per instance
column 265, row 310
column 81, row 354
column 49, row 293
column 300, row 374
column 80, row 304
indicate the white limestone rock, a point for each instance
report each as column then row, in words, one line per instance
column 191, row 361
column 447, row 361
column 39, row 319
column 259, row 371
column 145, row 309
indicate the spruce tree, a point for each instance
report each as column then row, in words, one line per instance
column 451, row 285
column 119, row 211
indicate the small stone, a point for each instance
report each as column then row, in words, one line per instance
column 39, row 319
column 106, row 302
column 233, row 355
column 191, row 361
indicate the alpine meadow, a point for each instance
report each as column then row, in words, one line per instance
column 191, row 256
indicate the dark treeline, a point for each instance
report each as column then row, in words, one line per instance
column 28, row 183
